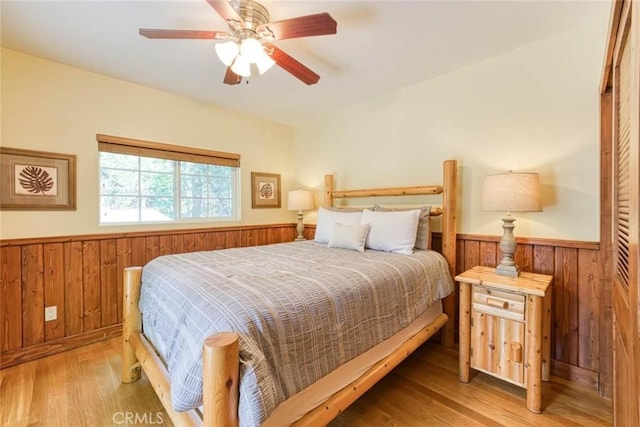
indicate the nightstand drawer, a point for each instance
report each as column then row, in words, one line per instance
column 498, row 303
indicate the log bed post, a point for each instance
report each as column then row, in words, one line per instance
column 449, row 191
column 131, row 323
column 327, row 197
column 221, row 367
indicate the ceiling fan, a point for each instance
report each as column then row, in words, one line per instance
column 248, row 43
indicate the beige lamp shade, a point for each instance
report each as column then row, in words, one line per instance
column 511, row 192
column 300, row 200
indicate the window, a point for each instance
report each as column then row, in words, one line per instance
column 143, row 181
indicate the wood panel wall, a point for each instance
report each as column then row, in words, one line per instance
column 82, row 276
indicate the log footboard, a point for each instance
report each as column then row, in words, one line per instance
column 221, row 369
column 221, row 365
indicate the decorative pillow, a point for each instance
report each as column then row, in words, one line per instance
column 423, row 235
column 349, row 236
column 327, row 218
column 393, row 231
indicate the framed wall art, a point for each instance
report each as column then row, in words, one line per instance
column 265, row 190
column 37, row 180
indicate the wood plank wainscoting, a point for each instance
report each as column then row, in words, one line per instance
column 82, row 276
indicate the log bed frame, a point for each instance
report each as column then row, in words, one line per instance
column 221, row 351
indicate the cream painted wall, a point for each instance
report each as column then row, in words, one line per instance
column 531, row 109
column 53, row 107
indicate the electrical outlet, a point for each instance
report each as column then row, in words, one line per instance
column 50, row 313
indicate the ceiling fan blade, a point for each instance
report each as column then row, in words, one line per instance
column 152, row 33
column 231, row 78
column 224, row 9
column 304, row 26
column 293, row 66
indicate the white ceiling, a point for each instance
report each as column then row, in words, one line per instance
column 380, row 45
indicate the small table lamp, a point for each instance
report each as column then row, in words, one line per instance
column 510, row 192
column 300, row 200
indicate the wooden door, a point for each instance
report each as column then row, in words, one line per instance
column 498, row 347
column 625, row 74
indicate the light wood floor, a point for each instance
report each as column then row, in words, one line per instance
column 82, row 388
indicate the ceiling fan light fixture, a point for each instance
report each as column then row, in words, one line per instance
column 251, row 49
column 264, row 62
column 227, row 52
column 241, row 66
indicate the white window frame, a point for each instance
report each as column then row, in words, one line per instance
column 120, row 145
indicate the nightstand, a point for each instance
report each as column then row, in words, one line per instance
column 505, row 325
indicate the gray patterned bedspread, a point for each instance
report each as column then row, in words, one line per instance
column 301, row 310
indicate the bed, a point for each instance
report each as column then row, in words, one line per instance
column 280, row 365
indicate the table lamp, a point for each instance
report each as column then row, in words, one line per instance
column 510, row 192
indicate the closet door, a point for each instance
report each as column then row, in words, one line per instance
column 626, row 216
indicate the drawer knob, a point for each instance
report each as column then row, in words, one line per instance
column 497, row 303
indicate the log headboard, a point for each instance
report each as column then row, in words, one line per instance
column 448, row 212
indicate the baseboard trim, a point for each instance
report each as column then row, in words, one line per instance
column 15, row 357
column 574, row 374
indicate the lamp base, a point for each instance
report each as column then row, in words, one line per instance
column 508, row 244
column 300, row 228
column 508, row 270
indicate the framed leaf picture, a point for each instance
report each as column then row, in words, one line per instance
column 265, row 190
column 37, row 180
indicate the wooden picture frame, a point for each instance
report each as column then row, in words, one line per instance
column 265, row 190
column 37, row 180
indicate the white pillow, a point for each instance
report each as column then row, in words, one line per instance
column 349, row 236
column 393, row 231
column 326, row 220
column 423, row 234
